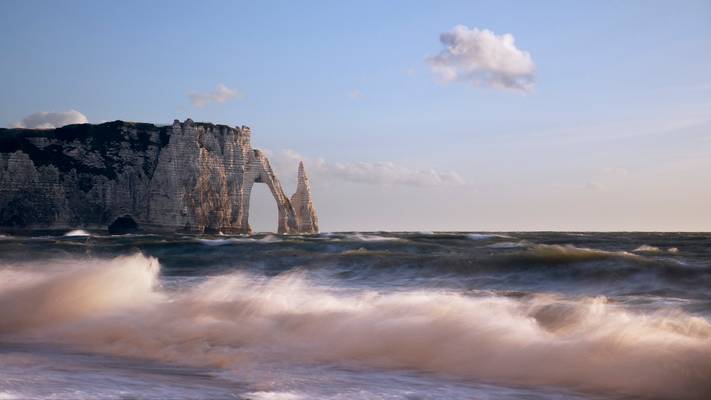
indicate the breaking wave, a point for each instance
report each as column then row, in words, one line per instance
column 221, row 242
column 118, row 306
column 557, row 253
column 485, row 236
column 647, row 249
column 77, row 232
column 508, row 245
column 362, row 237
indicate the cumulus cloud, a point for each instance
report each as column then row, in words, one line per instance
column 483, row 58
column 220, row 95
column 50, row 120
column 378, row 173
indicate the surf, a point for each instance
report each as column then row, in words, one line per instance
column 119, row 306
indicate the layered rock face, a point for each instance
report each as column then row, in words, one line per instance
column 303, row 205
column 191, row 177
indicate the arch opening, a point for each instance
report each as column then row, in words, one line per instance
column 263, row 210
column 123, row 225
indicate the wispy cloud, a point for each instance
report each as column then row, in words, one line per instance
column 52, row 119
column 221, row 94
column 616, row 171
column 378, row 173
column 594, row 186
column 483, row 58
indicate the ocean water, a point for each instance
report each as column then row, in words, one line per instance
column 356, row 316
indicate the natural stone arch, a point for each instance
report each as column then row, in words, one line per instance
column 191, row 177
column 263, row 210
column 260, row 171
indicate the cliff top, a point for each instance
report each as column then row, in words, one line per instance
column 48, row 146
column 113, row 125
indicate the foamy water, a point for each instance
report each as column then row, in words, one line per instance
column 304, row 332
column 77, row 232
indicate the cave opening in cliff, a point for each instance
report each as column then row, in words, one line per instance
column 123, row 225
column 263, row 211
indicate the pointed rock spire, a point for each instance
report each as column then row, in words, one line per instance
column 303, row 205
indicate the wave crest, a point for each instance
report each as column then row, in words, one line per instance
column 77, row 232
column 116, row 306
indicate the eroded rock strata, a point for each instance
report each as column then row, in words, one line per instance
column 191, row 177
column 303, row 205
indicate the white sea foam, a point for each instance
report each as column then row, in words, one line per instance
column 273, row 396
column 485, row 236
column 232, row 240
column 222, row 242
column 269, row 239
column 509, row 245
column 77, row 232
column 645, row 248
column 363, row 237
column 117, row 307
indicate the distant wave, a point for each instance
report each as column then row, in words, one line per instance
column 653, row 249
column 222, row 242
column 566, row 253
column 485, row 236
column 273, row 396
column 363, row 237
column 77, row 232
column 647, row 249
column 116, row 306
column 232, row 240
column 509, row 245
column 269, row 239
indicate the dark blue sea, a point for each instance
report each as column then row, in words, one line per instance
column 371, row 315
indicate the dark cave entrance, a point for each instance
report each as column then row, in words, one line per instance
column 123, row 225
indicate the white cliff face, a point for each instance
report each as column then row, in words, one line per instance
column 303, row 205
column 192, row 177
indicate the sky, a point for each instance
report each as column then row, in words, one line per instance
column 409, row 115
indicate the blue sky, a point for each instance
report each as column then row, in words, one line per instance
column 615, row 133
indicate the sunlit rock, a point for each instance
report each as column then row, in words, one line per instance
column 189, row 177
column 303, row 205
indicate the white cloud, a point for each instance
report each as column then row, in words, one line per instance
column 50, row 120
column 483, row 58
column 220, row 95
column 378, row 173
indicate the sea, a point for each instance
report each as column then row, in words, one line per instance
column 356, row 315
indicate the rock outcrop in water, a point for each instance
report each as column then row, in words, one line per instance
column 303, row 205
column 124, row 176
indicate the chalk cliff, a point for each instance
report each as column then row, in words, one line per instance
column 303, row 205
column 190, row 177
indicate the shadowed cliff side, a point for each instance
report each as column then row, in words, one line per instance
column 191, row 177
